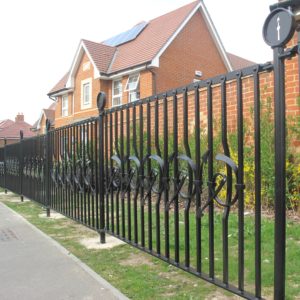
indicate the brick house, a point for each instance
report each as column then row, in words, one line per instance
column 10, row 130
column 150, row 58
column 40, row 125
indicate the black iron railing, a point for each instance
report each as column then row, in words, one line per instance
column 154, row 174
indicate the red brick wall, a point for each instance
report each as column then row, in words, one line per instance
column 193, row 49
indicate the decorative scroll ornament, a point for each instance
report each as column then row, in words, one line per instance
column 186, row 184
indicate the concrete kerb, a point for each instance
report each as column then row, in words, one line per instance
column 63, row 250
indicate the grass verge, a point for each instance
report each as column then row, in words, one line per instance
column 141, row 276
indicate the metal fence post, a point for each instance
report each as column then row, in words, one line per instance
column 5, row 142
column 278, row 30
column 101, row 100
column 47, row 169
column 280, row 175
column 21, row 165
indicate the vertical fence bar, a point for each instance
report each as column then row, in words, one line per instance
column 97, row 145
column 112, row 209
column 229, row 181
column 128, row 171
column 176, row 176
column 141, row 158
column 257, row 185
column 21, row 165
column 101, row 100
column 84, row 157
column 157, row 205
column 47, row 169
column 149, row 174
column 122, row 172
column 106, row 170
column 198, row 178
column 240, row 180
column 187, row 201
column 166, row 175
column 211, row 183
column 5, row 165
column 135, row 212
column 118, row 193
column 280, row 175
column 76, row 159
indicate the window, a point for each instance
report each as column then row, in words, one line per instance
column 133, row 87
column 86, row 66
column 86, row 95
column 64, row 106
column 117, row 93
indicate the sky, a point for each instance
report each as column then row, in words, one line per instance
column 39, row 39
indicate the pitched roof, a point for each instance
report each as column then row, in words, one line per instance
column 142, row 44
column 238, row 62
column 5, row 123
column 52, row 106
column 102, row 55
column 49, row 114
column 13, row 131
column 149, row 42
column 61, row 85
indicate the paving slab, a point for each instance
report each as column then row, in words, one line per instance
column 35, row 267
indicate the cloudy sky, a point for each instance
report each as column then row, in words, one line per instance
column 39, row 39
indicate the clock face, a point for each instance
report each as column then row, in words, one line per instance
column 279, row 27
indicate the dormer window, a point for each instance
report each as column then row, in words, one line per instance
column 133, row 87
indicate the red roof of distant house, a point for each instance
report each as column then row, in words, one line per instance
column 13, row 130
column 238, row 62
column 5, row 123
column 61, row 84
column 49, row 114
column 52, row 106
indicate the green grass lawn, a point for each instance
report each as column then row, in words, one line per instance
column 141, row 276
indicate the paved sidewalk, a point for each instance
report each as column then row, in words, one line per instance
column 33, row 266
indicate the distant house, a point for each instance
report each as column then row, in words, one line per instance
column 10, row 130
column 39, row 127
column 150, row 58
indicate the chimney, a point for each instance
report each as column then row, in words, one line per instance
column 19, row 117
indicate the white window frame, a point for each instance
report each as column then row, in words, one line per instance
column 117, row 96
column 84, row 83
column 133, row 89
column 64, row 105
column 135, row 84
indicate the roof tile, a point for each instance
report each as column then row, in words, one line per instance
column 13, row 131
column 151, row 40
column 60, row 85
column 102, row 55
column 238, row 62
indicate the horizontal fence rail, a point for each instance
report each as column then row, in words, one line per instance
column 165, row 174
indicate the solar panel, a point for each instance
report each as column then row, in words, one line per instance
column 126, row 36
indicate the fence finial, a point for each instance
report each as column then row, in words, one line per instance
column 48, row 124
column 101, row 101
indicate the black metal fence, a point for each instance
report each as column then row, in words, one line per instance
column 150, row 173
